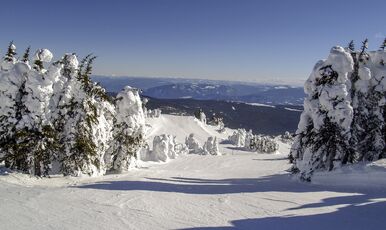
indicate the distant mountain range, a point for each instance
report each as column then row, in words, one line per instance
column 176, row 88
column 260, row 118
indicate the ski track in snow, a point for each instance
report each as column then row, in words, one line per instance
column 239, row 190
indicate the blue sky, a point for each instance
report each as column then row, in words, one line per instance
column 214, row 39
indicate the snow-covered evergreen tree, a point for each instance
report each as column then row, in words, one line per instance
column 25, row 58
column 9, row 58
column 128, row 131
column 193, row 145
column 238, row 138
column 263, row 144
column 346, row 124
column 56, row 120
column 211, row 147
column 324, row 129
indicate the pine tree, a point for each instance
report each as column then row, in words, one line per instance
column 25, row 58
column 351, row 46
column 11, row 52
column 323, row 134
column 85, row 151
column 128, row 131
column 363, row 55
column 41, row 55
column 383, row 46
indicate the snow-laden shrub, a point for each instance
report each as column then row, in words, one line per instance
column 264, row 144
column 248, row 141
column 343, row 118
column 211, row 147
column 55, row 120
column 241, row 138
column 164, row 149
column 155, row 113
column 238, row 137
column 193, row 145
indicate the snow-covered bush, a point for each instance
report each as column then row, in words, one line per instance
column 343, row 118
column 193, row 145
column 211, row 147
column 263, row 144
column 238, row 138
column 164, row 149
column 155, row 113
column 55, row 120
column 248, row 141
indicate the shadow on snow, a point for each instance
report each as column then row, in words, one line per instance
column 361, row 209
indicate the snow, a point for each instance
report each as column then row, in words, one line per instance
column 43, row 55
column 261, row 105
column 241, row 190
column 293, row 110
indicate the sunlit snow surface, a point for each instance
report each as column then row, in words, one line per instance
column 239, row 190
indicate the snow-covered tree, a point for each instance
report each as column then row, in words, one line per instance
column 324, row 129
column 56, row 120
column 351, row 46
column 344, row 118
column 200, row 115
column 128, row 131
column 11, row 52
column 41, row 56
column 25, row 58
column 383, row 45
column 9, row 58
column 238, row 137
column 193, row 145
column 211, row 147
column 263, row 144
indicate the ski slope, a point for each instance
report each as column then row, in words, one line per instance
column 239, row 190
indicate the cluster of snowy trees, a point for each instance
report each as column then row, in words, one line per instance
column 54, row 119
column 344, row 112
column 210, row 147
column 165, row 148
column 247, row 140
column 153, row 113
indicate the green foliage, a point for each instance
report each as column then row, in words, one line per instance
column 84, row 73
column 31, row 150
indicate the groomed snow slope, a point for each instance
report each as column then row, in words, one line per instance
column 240, row 190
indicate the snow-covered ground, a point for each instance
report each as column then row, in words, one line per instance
column 240, row 189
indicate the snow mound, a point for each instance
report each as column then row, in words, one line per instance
column 358, row 175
